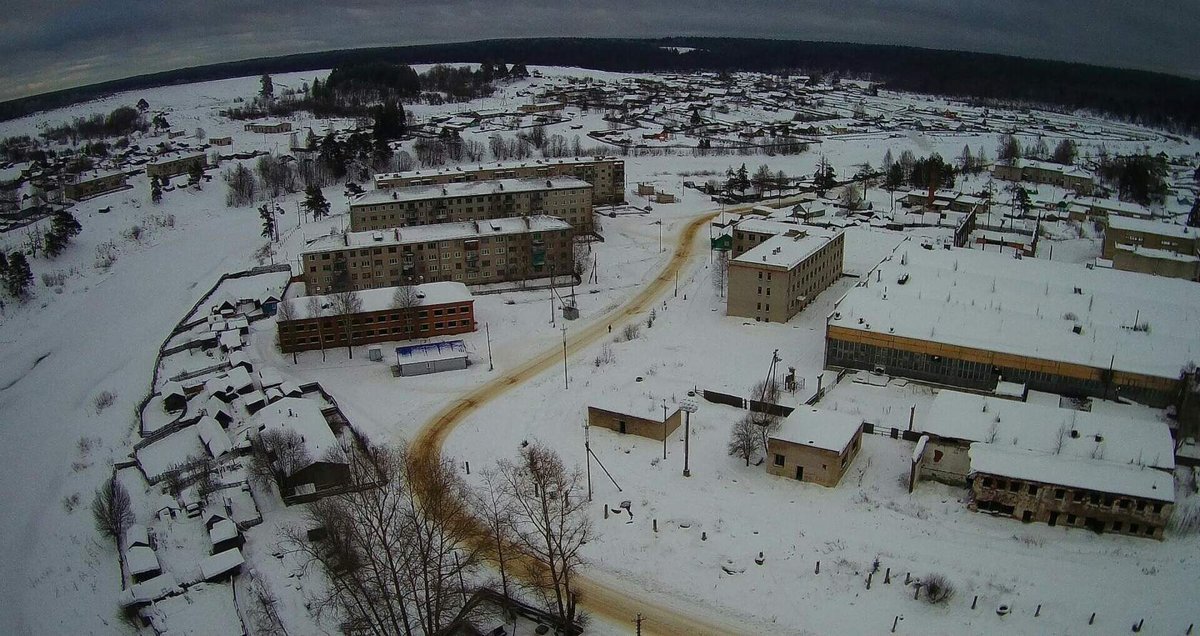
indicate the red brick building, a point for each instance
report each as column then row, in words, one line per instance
column 439, row 309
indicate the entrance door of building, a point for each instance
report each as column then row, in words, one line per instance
column 1027, row 516
column 799, row 473
column 1053, row 519
column 621, row 426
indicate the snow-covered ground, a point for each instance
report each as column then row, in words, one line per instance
column 100, row 329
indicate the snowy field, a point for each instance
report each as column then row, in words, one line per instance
column 100, row 328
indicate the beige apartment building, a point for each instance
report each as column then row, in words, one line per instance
column 780, row 276
column 1035, row 171
column 470, row 252
column 171, row 165
column 1153, row 247
column 86, row 186
column 606, row 174
column 567, row 198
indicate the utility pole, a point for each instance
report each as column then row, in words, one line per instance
column 488, row 332
column 587, row 450
column 639, row 624
column 689, row 406
column 664, row 428
column 564, row 331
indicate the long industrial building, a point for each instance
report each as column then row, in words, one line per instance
column 606, row 174
column 470, row 252
column 567, row 198
column 970, row 318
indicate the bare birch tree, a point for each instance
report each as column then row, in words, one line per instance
column 406, row 298
column 346, row 304
column 314, row 311
column 549, row 524
column 395, row 550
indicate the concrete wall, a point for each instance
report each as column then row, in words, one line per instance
column 821, row 466
column 1137, row 262
column 634, row 425
column 945, row 461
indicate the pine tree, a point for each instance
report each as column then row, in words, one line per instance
column 268, row 222
column 18, row 277
column 268, row 87
column 155, row 191
column 195, row 174
column 315, row 203
column 64, row 223
column 3, row 265
column 743, row 179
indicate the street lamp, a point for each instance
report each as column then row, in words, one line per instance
column 659, row 224
column 688, row 406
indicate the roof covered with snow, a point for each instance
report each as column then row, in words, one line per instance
column 819, row 428
column 1028, row 307
column 385, row 176
column 439, row 293
column 1146, row 226
column 302, row 415
column 789, row 249
column 467, row 189
column 438, row 232
column 1069, row 433
column 1048, row 468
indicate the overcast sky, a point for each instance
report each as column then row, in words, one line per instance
column 47, row 45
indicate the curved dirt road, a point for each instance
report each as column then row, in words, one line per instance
column 619, row 604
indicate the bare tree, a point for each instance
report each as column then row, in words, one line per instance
column 279, row 453
column 581, row 257
column 743, row 438
column 495, row 510
column 346, row 305
column 720, row 271
column 396, row 555
column 284, row 313
column 766, row 392
column 314, row 311
column 112, row 510
column 549, row 524
column 406, row 298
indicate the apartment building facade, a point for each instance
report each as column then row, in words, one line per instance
column 470, row 252
column 86, row 186
column 605, row 174
column 1034, row 171
column 567, row 198
column 173, row 165
column 780, row 276
column 442, row 309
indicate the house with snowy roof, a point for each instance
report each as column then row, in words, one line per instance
column 317, row 464
column 814, row 445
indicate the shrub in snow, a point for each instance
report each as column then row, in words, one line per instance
column 606, row 356
column 938, row 589
column 104, row 400
column 630, row 332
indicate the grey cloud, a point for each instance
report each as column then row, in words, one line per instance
column 56, row 45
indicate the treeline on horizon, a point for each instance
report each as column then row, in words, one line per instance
column 1154, row 99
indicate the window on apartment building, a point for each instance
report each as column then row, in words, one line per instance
column 987, row 482
column 1134, row 528
column 1059, row 493
column 1157, row 508
column 1033, row 489
column 1117, row 526
column 1071, row 520
column 1014, row 487
column 760, row 291
column 779, row 459
column 1077, row 497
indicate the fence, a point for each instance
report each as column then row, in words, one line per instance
column 742, row 403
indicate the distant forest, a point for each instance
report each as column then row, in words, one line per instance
column 1155, row 99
